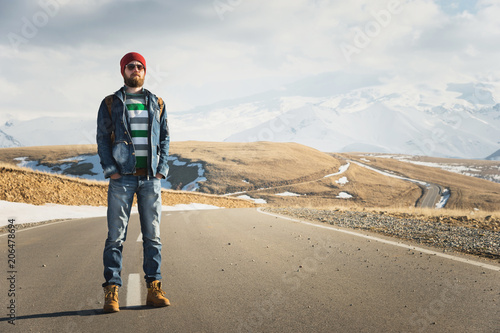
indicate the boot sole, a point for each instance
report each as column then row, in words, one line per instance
column 111, row 310
column 157, row 305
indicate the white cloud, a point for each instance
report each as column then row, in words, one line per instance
column 71, row 62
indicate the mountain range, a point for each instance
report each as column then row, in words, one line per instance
column 332, row 112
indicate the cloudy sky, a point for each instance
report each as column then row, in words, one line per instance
column 61, row 57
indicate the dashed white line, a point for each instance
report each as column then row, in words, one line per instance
column 134, row 290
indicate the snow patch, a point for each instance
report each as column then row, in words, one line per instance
column 342, row 181
column 344, row 195
column 257, row 201
column 26, row 213
column 288, row 194
column 444, row 199
column 342, row 169
column 176, row 161
column 234, row 193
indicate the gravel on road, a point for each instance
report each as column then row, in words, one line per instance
column 475, row 241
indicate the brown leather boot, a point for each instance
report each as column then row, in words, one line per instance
column 156, row 296
column 111, row 299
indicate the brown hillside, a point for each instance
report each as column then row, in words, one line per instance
column 37, row 188
column 234, row 167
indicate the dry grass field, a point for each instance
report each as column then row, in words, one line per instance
column 235, row 167
column 489, row 170
column 368, row 189
column 263, row 170
column 38, row 188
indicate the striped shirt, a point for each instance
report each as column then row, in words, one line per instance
column 138, row 114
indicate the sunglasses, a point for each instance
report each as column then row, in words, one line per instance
column 131, row 67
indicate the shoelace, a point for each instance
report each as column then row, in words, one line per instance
column 157, row 290
column 110, row 295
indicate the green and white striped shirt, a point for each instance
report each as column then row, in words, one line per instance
column 138, row 114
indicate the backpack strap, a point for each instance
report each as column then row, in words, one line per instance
column 160, row 104
column 109, row 102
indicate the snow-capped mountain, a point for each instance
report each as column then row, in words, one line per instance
column 460, row 121
column 495, row 156
column 330, row 112
column 47, row 131
column 379, row 126
column 7, row 141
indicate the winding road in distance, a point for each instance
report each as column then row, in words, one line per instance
column 431, row 193
column 240, row 270
column 431, row 196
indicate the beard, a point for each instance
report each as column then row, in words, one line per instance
column 134, row 81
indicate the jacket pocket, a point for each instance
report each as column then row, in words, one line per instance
column 121, row 152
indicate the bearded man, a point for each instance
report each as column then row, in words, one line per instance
column 133, row 142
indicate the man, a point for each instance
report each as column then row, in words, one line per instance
column 132, row 143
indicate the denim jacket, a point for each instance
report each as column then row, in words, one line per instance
column 118, row 155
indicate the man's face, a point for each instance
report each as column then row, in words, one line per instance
column 134, row 74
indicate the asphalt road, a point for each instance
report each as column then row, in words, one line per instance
column 238, row 270
column 431, row 196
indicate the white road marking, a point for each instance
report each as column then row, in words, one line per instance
column 37, row 226
column 406, row 246
column 134, row 290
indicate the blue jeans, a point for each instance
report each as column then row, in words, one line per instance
column 120, row 196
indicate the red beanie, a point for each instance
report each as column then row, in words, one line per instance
column 131, row 56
